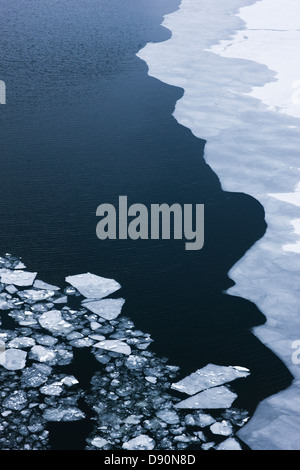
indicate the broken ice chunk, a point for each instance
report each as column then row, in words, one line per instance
column 99, row 442
column 43, row 285
column 54, row 322
column 63, row 414
column 208, row 377
column 69, row 381
column 11, row 289
column 16, row 401
column 168, row 416
column 114, row 345
column 54, row 389
column 213, row 398
column 229, row 444
column 21, row 342
column 222, row 428
column 6, row 304
column 13, row 359
column 42, row 354
column 18, row 278
column 93, row 286
column 31, row 296
column 108, row 308
column 35, row 376
column 142, row 442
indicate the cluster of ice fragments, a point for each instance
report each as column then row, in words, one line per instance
column 134, row 395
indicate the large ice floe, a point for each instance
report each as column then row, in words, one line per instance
column 238, row 65
column 135, row 398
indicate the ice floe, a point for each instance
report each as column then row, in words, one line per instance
column 93, row 286
column 210, row 376
column 107, row 308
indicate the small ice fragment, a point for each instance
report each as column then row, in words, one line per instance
column 21, row 342
column 108, row 308
column 6, row 304
column 150, row 379
column 203, row 420
column 35, row 376
column 229, row 444
column 31, row 295
column 133, row 419
column 52, row 389
column 61, row 300
column 11, row 289
column 69, row 381
column 142, row 442
column 99, row 442
column 93, row 286
column 97, row 337
column 114, row 346
column 43, row 285
column 213, row 398
column 95, row 325
column 63, row 414
column 42, row 354
column 13, row 359
column 208, row 377
column 18, row 278
column 16, row 401
column 223, row 428
column 168, row 416
column 54, row 322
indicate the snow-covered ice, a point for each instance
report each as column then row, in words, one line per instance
column 93, row 286
column 209, row 376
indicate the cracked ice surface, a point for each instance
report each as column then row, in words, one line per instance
column 130, row 393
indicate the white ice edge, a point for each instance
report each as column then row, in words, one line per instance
column 238, row 68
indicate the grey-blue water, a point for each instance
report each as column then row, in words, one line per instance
column 84, row 124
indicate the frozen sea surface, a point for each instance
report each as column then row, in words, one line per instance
column 239, row 71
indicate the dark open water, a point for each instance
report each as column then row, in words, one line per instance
column 84, row 124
